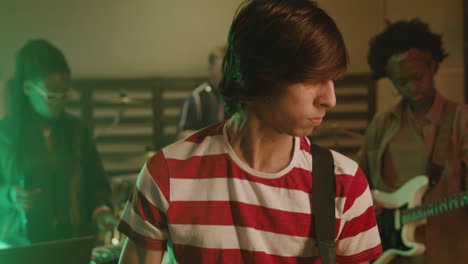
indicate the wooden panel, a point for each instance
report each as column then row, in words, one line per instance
column 147, row 120
column 128, row 117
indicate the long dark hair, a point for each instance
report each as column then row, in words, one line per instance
column 273, row 43
column 35, row 60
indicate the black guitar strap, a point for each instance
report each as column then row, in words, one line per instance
column 323, row 202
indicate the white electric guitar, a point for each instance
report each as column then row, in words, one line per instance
column 403, row 212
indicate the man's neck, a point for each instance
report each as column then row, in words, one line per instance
column 262, row 148
column 422, row 110
column 419, row 112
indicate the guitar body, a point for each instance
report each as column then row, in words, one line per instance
column 399, row 239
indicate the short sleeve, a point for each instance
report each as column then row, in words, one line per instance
column 359, row 238
column 144, row 217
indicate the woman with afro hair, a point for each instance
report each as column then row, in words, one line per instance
column 423, row 134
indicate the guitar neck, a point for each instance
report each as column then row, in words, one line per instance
column 434, row 208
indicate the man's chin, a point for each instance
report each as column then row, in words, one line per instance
column 304, row 133
column 310, row 132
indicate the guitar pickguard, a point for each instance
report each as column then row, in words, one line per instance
column 398, row 238
column 391, row 237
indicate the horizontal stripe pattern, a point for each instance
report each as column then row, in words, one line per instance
column 343, row 164
column 357, row 189
column 142, row 241
column 367, row 239
column 221, row 166
column 250, row 239
column 217, row 211
column 242, row 215
column 191, row 254
column 146, row 210
column 142, row 227
column 214, row 145
column 363, row 222
column 359, row 206
column 153, row 181
column 245, row 191
column 186, row 149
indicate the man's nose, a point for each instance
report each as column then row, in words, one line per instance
column 327, row 97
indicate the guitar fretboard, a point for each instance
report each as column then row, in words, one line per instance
column 434, row 208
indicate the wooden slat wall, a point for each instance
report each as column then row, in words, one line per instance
column 148, row 124
column 151, row 123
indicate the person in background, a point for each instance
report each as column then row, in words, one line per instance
column 239, row 191
column 52, row 182
column 423, row 134
column 204, row 106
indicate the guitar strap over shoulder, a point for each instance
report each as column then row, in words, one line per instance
column 441, row 143
column 323, row 202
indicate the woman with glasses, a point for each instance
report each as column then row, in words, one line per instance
column 52, row 183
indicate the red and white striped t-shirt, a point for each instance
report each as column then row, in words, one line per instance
column 216, row 209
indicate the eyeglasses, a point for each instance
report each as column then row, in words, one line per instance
column 53, row 96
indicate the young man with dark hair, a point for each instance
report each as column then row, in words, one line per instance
column 239, row 191
column 424, row 134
